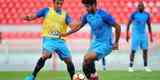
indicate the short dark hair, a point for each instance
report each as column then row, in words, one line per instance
column 90, row 2
column 141, row 4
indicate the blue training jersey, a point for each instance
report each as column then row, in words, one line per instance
column 101, row 24
column 139, row 20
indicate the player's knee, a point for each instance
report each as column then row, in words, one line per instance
column 46, row 56
column 68, row 60
column 88, row 59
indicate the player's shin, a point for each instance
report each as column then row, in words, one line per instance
column 132, row 58
column 145, row 58
column 71, row 69
column 38, row 67
column 92, row 67
column 86, row 70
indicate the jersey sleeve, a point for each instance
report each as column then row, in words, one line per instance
column 149, row 17
column 108, row 18
column 68, row 19
column 42, row 12
column 132, row 16
column 83, row 19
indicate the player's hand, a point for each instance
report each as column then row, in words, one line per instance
column 26, row 18
column 29, row 18
column 63, row 34
column 115, row 46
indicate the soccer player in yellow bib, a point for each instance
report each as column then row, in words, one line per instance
column 55, row 22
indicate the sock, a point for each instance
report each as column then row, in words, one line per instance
column 92, row 67
column 86, row 70
column 38, row 67
column 71, row 69
column 104, row 63
column 131, row 64
column 145, row 63
column 145, row 58
column 132, row 58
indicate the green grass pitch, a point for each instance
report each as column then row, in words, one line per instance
column 104, row 75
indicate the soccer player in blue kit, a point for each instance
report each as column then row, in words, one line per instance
column 101, row 23
column 139, row 35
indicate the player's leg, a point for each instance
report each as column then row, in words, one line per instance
column 96, row 52
column 65, row 55
column 41, row 63
column 144, row 46
column 46, row 53
column 134, row 46
column 68, row 61
column 39, row 66
column 132, row 55
column 145, row 59
column 104, row 63
column 89, row 64
column 70, row 67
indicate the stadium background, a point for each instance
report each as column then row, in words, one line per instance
column 21, row 40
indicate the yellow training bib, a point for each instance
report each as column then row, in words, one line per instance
column 54, row 24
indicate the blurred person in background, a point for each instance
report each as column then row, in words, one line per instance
column 140, row 18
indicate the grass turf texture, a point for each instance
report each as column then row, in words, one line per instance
column 104, row 75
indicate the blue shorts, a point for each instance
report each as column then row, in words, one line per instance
column 139, row 41
column 101, row 49
column 51, row 45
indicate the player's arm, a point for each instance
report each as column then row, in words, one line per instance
column 75, row 26
column 127, row 30
column 117, row 35
column 30, row 18
column 128, row 26
column 40, row 13
column 69, row 22
column 149, row 29
column 110, row 20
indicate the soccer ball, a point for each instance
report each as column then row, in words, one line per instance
column 79, row 76
column 94, row 76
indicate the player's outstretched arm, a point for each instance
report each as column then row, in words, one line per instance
column 117, row 35
column 29, row 18
column 76, row 26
